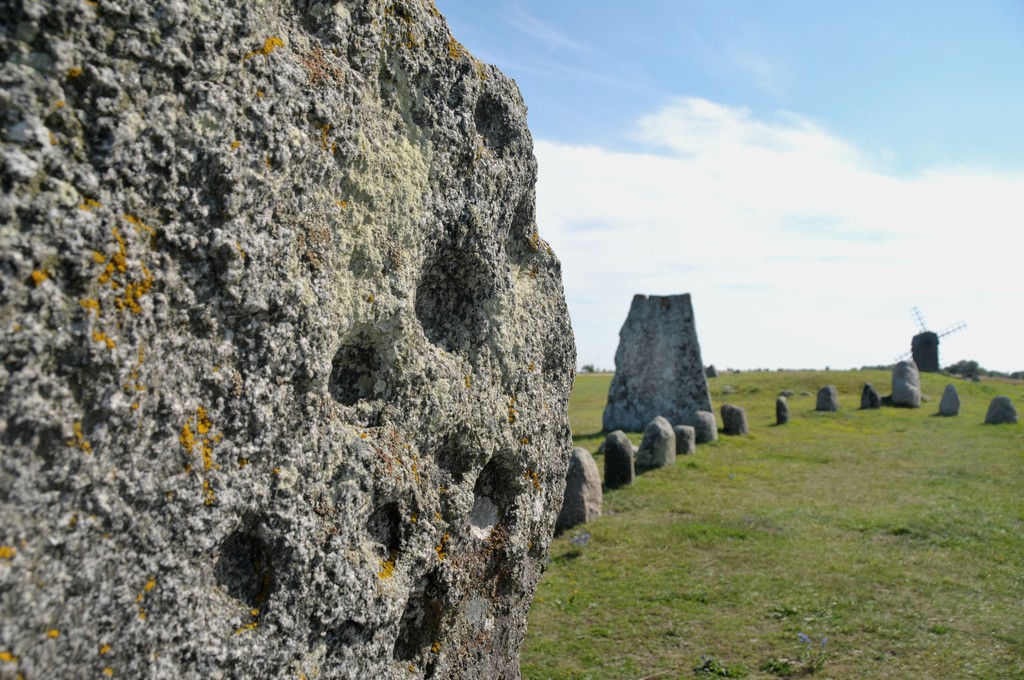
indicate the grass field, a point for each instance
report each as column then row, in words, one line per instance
column 896, row 535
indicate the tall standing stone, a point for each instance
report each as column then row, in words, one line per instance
column 906, row 385
column 285, row 362
column 658, row 367
column 686, row 439
column 581, row 502
column 734, row 420
column 705, row 427
column 950, row 404
column 828, row 399
column 781, row 411
column 619, row 460
column 658, row 447
column 870, row 398
column 1001, row 411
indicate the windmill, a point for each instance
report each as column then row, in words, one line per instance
column 924, row 347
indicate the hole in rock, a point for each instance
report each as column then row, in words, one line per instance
column 243, row 568
column 384, row 527
column 421, row 620
column 354, row 371
column 494, row 122
column 454, row 283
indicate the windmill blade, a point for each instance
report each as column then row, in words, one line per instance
column 916, row 312
column 955, row 328
column 903, row 357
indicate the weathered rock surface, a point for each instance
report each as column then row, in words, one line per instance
column 828, row 399
column 705, row 426
column 734, row 420
column 950, row 403
column 870, row 398
column 658, row 368
column 658, row 447
column 781, row 411
column 581, row 502
column 285, row 363
column 619, row 460
column 686, row 439
column 906, row 385
column 1001, row 411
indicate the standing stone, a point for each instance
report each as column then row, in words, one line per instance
column 950, row 404
column 658, row 368
column 828, row 399
column 734, row 420
column 686, row 439
column 870, row 398
column 582, row 500
column 658, row 447
column 711, row 371
column 705, row 427
column 906, row 385
column 619, row 460
column 1001, row 411
column 265, row 305
column 781, row 411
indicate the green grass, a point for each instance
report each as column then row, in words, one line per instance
column 896, row 534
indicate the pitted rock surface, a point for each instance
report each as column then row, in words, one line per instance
column 658, row 368
column 285, row 363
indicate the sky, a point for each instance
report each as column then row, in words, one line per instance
column 808, row 171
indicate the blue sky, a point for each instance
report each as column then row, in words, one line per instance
column 807, row 170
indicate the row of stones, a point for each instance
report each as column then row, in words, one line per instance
column 1001, row 410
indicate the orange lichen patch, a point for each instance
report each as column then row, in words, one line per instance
column 104, row 649
column 266, row 161
column 525, row 441
column 108, row 671
column 79, row 441
column 269, row 45
column 534, row 478
column 436, row 647
column 415, row 517
column 341, row 204
column 7, row 552
column 242, row 462
column 202, row 420
column 325, row 130
column 100, row 336
column 513, row 412
column 469, row 383
column 259, row 93
column 74, row 72
column 88, row 204
column 241, row 250
column 58, row 104
column 53, row 139
column 235, row 144
column 209, row 497
column 387, row 567
column 532, row 366
column 370, row 298
column 53, row 633
column 7, row 657
column 91, row 303
column 441, row 548
column 142, row 613
column 38, row 276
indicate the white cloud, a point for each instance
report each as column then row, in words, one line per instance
column 798, row 251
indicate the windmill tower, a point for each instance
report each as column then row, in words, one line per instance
column 924, row 347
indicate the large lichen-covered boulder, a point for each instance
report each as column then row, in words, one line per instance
column 658, row 367
column 285, row 362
